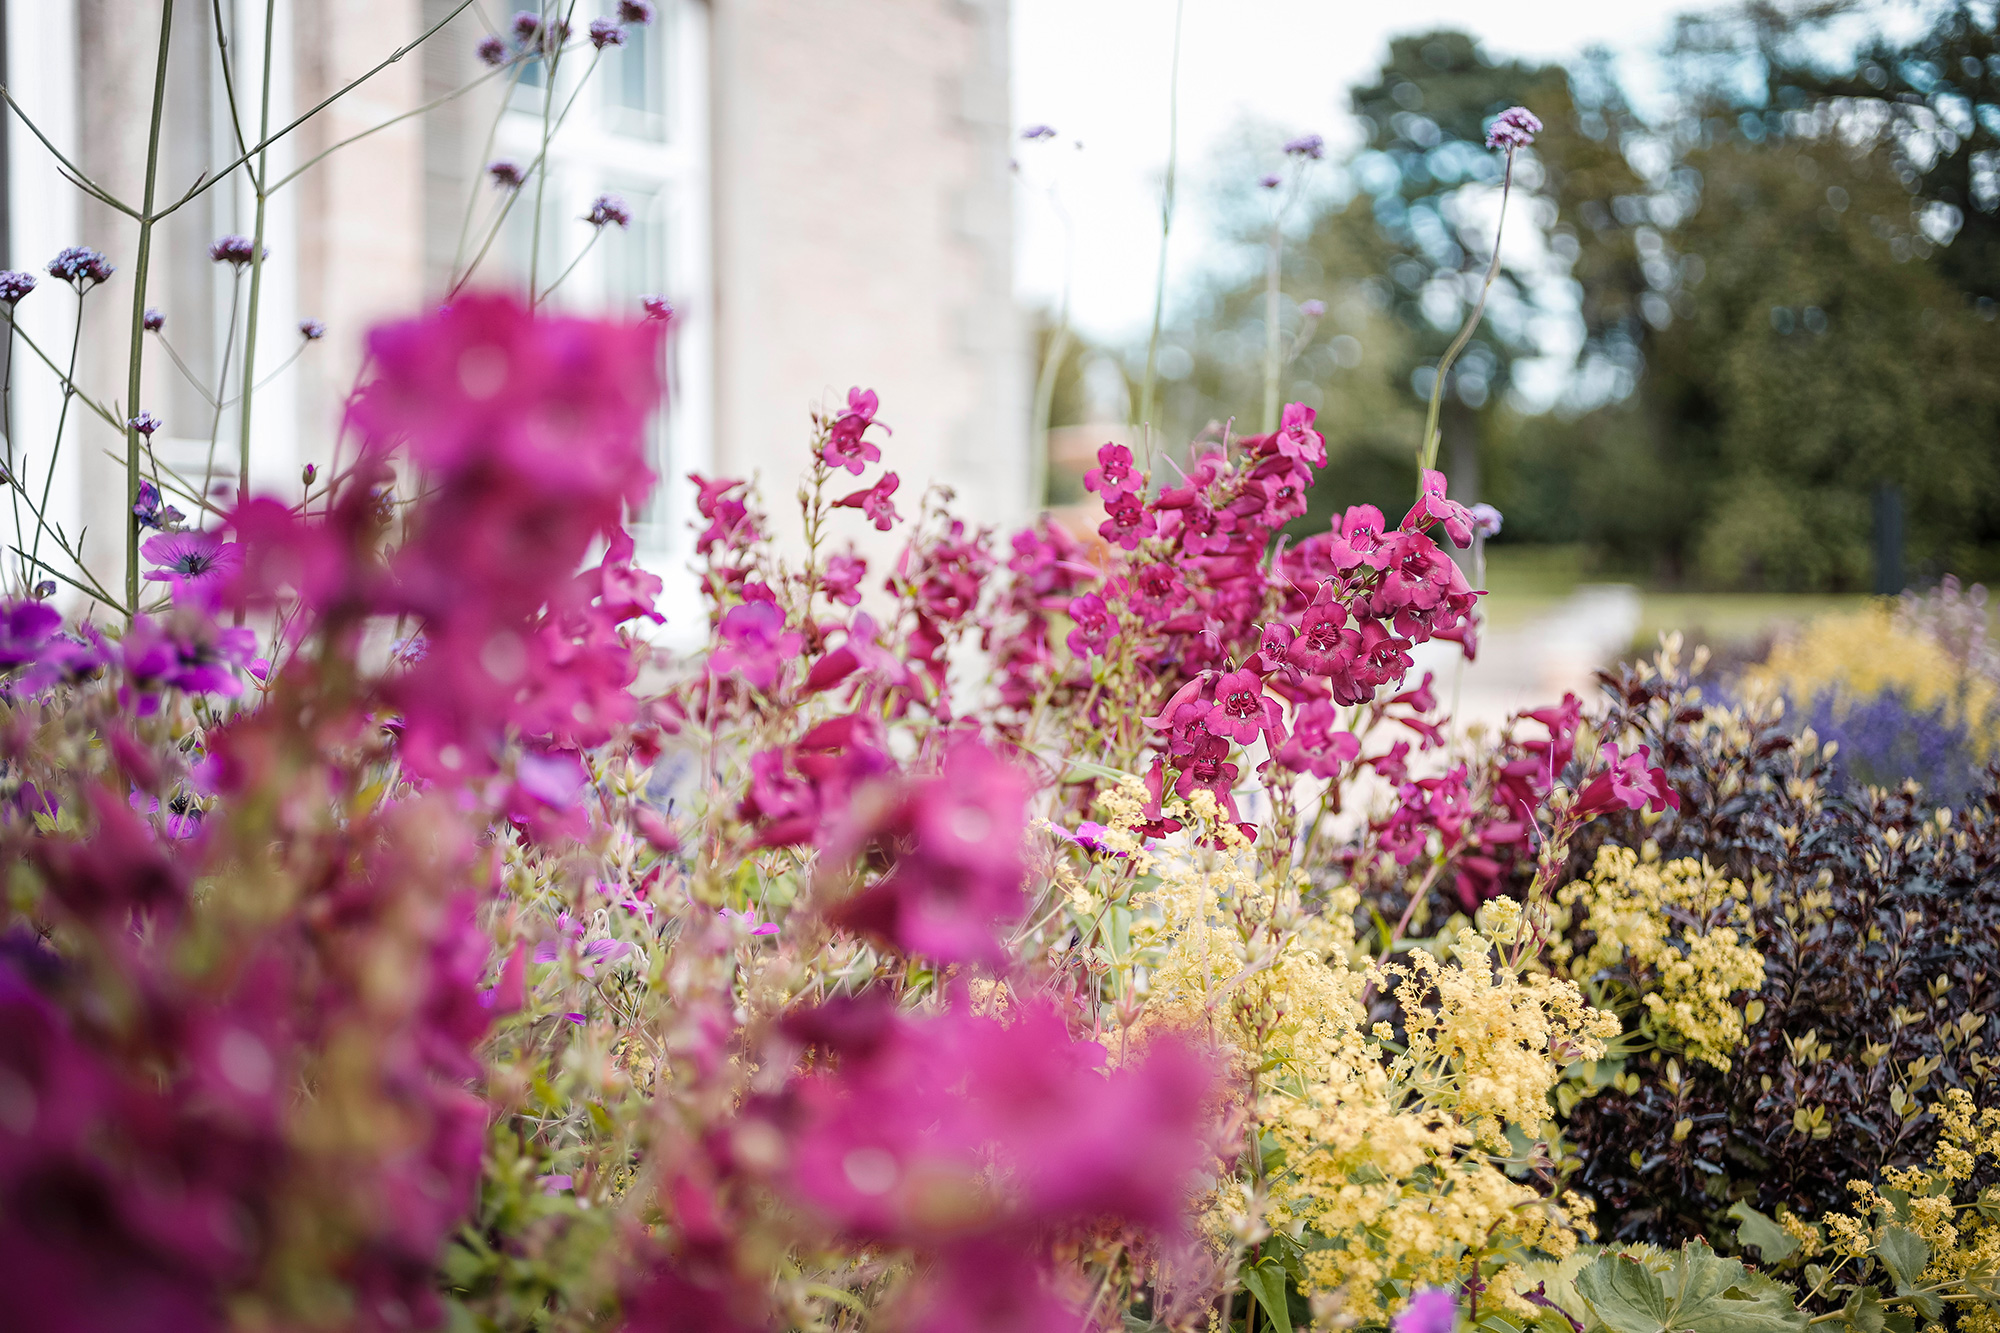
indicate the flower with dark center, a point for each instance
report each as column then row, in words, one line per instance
column 606, row 32
column 312, row 330
column 195, row 565
column 506, row 174
column 237, row 250
column 492, row 51
column 1306, row 145
column 81, row 267
column 525, row 26
column 635, row 11
column 658, row 308
column 154, row 321
column 14, row 284
column 145, row 423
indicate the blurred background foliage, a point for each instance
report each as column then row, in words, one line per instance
column 1722, row 341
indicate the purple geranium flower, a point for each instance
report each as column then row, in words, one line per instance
column 197, row 566
column 25, row 627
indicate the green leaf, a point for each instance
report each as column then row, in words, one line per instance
column 1266, row 1281
column 1773, row 1242
column 1863, row 1312
column 1624, row 1294
column 1905, row 1255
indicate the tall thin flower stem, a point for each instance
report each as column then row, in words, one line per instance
column 553, row 68
column 141, row 267
column 1427, row 456
column 7, row 425
column 258, row 177
column 1166, row 221
column 1273, row 260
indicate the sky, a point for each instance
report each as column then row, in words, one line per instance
column 1097, row 71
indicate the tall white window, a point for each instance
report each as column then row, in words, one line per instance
column 630, row 122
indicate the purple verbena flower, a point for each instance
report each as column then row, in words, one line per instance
column 237, row 250
column 145, row 423
column 606, row 32
column 1270, row 181
column 312, row 330
column 506, row 174
column 635, row 11
column 608, row 208
column 1306, row 145
column 1037, row 132
column 14, row 284
column 658, row 309
column 154, row 321
column 1516, row 127
column 525, row 26
column 81, row 266
column 492, row 51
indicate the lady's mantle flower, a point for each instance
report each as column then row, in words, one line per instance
column 608, row 208
column 14, row 284
column 1516, row 127
column 237, row 250
column 81, row 267
column 196, row 565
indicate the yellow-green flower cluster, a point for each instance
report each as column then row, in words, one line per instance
column 1859, row 655
column 1680, row 930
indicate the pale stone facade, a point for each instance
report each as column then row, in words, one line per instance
column 834, row 211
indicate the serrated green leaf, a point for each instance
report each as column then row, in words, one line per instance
column 1624, row 1294
column 1266, row 1281
column 1905, row 1255
column 1863, row 1312
column 1774, row 1243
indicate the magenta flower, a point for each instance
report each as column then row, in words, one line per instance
column 236, row 250
column 756, row 647
column 1297, row 440
column 841, row 582
column 1431, row 1310
column 1242, row 709
column 847, row 444
column 1626, row 783
column 874, row 502
column 606, row 32
column 1114, row 473
column 196, row 566
column 1095, row 626
column 191, row 655
column 25, row 626
column 506, row 174
column 961, row 877
column 635, row 11
column 1317, row 745
column 1432, row 507
column 1206, row 768
column 658, row 308
column 1130, row 521
column 1516, row 127
column 1156, row 592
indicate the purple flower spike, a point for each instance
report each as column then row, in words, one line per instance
column 608, row 208
column 1516, row 127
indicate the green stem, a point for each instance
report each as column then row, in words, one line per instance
column 1045, row 398
column 1166, row 220
column 1272, row 261
column 261, row 176
column 1427, row 455
column 62, row 420
column 140, row 268
column 537, row 299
